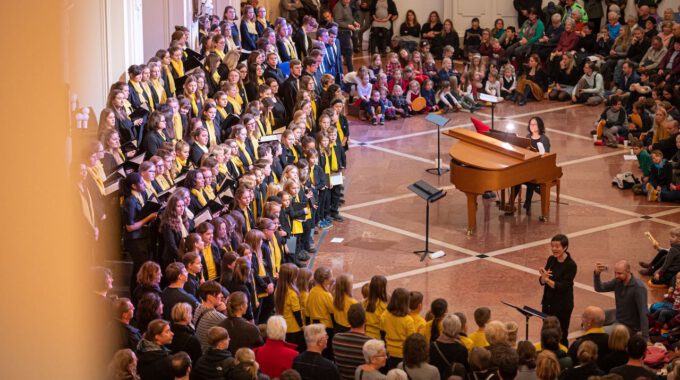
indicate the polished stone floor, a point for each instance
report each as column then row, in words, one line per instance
column 385, row 222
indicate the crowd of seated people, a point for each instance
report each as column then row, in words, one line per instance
column 214, row 170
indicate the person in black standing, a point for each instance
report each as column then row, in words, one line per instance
column 557, row 278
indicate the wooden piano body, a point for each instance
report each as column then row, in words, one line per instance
column 482, row 163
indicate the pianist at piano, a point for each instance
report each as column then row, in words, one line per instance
column 498, row 161
column 536, row 135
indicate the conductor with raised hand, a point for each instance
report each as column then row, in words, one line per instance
column 557, row 278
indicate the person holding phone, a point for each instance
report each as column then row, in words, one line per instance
column 630, row 295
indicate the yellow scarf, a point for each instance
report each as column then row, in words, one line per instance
column 216, row 77
column 180, row 164
column 212, row 137
column 194, row 106
column 290, row 50
column 128, row 107
column 239, row 98
column 149, row 96
column 139, row 197
column 179, row 68
column 177, row 126
column 311, row 174
column 256, row 145
column 341, row 134
column 239, row 164
column 334, row 159
column 97, row 177
column 327, row 165
column 118, row 156
column 261, row 127
column 276, row 257
column 253, row 206
column 162, row 134
column 251, row 28
column 208, row 190
column 139, row 90
column 222, row 168
column 247, row 218
column 296, row 225
column 219, row 53
column 88, row 208
column 209, row 262
column 231, row 45
column 199, row 196
column 149, row 189
column 171, row 80
column 242, row 148
column 163, row 97
column 222, row 112
column 160, row 180
column 235, row 103
column 314, row 109
column 270, row 122
column 295, row 154
column 169, row 178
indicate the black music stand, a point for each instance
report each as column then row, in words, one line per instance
column 430, row 194
column 493, row 100
column 527, row 312
column 440, row 122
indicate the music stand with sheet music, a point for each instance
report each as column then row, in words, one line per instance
column 430, row 194
column 440, row 121
column 493, row 100
column 527, row 312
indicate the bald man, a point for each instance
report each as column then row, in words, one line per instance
column 592, row 321
column 630, row 295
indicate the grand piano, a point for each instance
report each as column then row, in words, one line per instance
column 496, row 161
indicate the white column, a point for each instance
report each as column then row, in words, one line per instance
column 157, row 27
column 124, row 36
column 86, row 70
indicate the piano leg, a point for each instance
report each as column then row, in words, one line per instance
column 545, row 202
column 472, row 212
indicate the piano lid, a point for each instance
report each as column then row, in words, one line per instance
column 484, row 152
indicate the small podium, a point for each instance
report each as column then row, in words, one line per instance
column 430, row 194
column 493, row 100
column 440, row 121
column 527, row 312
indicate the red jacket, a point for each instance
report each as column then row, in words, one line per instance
column 275, row 357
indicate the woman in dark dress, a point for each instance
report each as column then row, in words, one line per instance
column 448, row 37
column 557, row 278
column 409, row 32
column 431, row 29
column 533, row 84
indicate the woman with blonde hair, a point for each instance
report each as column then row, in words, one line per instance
column 246, row 366
column 547, row 366
column 618, row 348
column 565, row 74
column 618, row 51
column 123, row 365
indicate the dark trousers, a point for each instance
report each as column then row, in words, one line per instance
column 298, row 339
column 139, row 251
column 324, row 204
column 345, row 37
column 563, row 313
column 266, row 309
column 336, row 195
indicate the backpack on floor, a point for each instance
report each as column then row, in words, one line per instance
column 625, row 180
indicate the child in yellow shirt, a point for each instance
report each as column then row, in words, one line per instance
column 482, row 317
column 415, row 305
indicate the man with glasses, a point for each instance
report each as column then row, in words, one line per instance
column 630, row 295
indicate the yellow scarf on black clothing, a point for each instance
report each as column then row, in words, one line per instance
column 199, row 196
column 242, row 148
column 149, row 96
column 179, row 68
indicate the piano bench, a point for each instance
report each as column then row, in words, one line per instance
column 555, row 183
